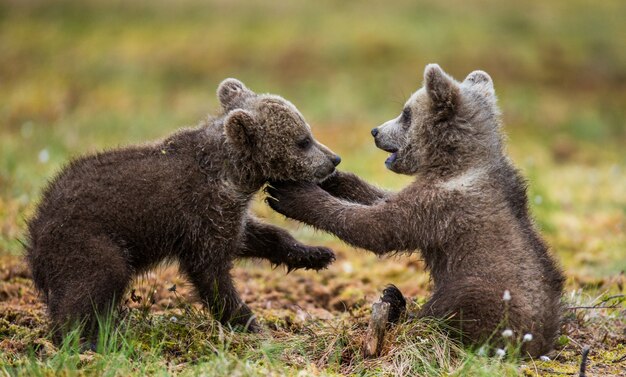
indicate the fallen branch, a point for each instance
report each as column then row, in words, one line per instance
column 375, row 335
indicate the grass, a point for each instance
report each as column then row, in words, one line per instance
column 76, row 77
column 192, row 343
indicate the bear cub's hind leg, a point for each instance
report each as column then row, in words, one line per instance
column 89, row 289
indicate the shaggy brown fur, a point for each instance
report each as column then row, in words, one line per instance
column 107, row 217
column 466, row 212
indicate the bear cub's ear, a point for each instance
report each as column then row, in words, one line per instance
column 238, row 128
column 441, row 88
column 480, row 80
column 231, row 93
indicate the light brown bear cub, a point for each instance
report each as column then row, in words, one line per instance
column 107, row 217
column 466, row 211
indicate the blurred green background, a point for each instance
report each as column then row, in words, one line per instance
column 80, row 76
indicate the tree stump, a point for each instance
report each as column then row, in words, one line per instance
column 375, row 335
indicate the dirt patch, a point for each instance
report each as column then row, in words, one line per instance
column 284, row 302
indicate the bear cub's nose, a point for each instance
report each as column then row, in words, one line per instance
column 374, row 132
column 335, row 160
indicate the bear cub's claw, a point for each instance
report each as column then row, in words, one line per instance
column 397, row 303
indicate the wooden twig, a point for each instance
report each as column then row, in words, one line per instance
column 583, row 362
column 592, row 307
column 599, row 305
column 375, row 335
column 619, row 360
column 552, row 371
column 613, row 297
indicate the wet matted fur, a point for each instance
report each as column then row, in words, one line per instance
column 112, row 215
column 466, row 212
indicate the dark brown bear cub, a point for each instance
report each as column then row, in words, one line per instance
column 466, row 211
column 107, row 217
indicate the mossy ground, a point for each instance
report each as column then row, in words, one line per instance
column 76, row 77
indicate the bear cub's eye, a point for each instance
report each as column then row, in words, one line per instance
column 406, row 116
column 304, row 143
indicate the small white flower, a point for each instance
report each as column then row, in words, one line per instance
column 44, row 156
column 347, row 267
column 538, row 199
column 527, row 337
column 500, row 353
column 173, row 319
column 482, row 351
column 507, row 333
column 506, row 296
column 544, row 358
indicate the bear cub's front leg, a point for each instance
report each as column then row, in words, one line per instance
column 279, row 247
column 348, row 186
column 217, row 292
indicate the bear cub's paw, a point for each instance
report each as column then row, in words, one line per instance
column 397, row 303
column 309, row 258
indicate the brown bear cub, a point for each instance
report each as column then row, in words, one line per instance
column 107, row 217
column 467, row 212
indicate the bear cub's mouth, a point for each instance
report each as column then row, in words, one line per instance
column 392, row 157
